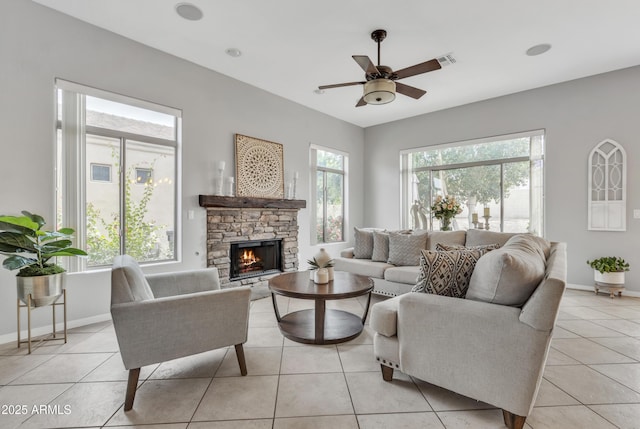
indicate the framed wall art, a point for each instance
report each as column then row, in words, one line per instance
column 259, row 168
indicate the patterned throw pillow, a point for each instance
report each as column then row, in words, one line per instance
column 448, row 247
column 363, row 248
column 447, row 273
column 380, row 246
column 404, row 249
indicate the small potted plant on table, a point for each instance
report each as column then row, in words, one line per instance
column 608, row 272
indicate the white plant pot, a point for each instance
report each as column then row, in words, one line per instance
column 615, row 278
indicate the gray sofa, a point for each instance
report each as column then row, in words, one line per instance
column 394, row 280
column 491, row 347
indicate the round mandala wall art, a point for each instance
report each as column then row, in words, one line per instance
column 259, row 168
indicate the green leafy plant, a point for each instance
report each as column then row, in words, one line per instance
column 29, row 248
column 609, row 264
column 314, row 265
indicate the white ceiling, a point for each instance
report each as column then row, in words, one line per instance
column 289, row 47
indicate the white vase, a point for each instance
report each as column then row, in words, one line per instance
column 322, row 258
column 321, row 276
column 330, row 270
column 312, row 274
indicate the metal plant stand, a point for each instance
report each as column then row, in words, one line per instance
column 53, row 310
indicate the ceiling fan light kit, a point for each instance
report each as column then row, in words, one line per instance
column 379, row 91
column 380, row 85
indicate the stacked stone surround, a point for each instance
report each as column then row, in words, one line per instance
column 229, row 225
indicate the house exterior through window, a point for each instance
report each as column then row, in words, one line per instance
column 117, row 175
column 328, row 187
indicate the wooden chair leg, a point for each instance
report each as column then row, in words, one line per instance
column 387, row 372
column 513, row 421
column 132, row 385
column 241, row 361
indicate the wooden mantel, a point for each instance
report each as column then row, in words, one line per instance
column 250, row 202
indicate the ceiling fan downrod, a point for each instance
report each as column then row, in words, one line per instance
column 378, row 36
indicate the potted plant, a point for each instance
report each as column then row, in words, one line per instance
column 608, row 271
column 321, row 260
column 28, row 248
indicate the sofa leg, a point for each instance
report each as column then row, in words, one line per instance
column 513, row 421
column 132, row 385
column 387, row 372
column 241, row 361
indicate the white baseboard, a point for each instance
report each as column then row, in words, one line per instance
column 44, row 330
column 626, row 292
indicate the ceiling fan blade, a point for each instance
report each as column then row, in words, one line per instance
column 409, row 91
column 361, row 102
column 366, row 64
column 338, row 85
column 425, row 67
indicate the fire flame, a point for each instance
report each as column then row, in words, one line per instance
column 248, row 258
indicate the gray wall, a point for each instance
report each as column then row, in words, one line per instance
column 576, row 116
column 37, row 45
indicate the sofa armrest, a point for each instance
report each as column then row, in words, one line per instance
column 161, row 329
column 347, row 253
column 183, row 282
column 384, row 317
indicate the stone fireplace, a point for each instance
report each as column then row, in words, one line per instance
column 266, row 227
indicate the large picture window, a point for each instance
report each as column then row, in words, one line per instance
column 499, row 177
column 328, row 179
column 117, row 174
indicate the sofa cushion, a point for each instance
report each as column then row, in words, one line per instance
column 363, row 248
column 447, row 273
column 509, row 275
column 408, row 275
column 404, row 249
column 479, row 237
column 364, row 267
column 445, row 237
column 380, row 246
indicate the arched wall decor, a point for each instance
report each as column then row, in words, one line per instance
column 607, row 187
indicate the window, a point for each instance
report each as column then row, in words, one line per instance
column 100, row 173
column 499, row 177
column 328, row 184
column 129, row 150
column 144, row 176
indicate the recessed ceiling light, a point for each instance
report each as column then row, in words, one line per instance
column 189, row 11
column 318, row 91
column 538, row 49
column 233, row 52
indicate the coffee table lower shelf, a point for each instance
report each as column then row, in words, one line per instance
column 339, row 326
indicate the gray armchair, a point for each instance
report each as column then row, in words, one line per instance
column 167, row 316
column 489, row 352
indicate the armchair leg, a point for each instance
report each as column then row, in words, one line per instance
column 387, row 372
column 132, row 385
column 513, row 421
column 241, row 361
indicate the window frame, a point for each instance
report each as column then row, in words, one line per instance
column 405, row 171
column 314, row 169
column 97, row 164
column 72, row 156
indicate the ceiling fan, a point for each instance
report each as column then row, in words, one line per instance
column 380, row 85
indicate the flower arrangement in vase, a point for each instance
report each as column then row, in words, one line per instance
column 443, row 209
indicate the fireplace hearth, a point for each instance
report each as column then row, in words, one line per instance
column 255, row 258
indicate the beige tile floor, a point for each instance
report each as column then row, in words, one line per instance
column 592, row 380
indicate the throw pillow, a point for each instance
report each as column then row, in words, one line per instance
column 380, row 246
column 363, row 248
column 404, row 249
column 509, row 275
column 447, row 273
column 447, row 247
column 446, row 237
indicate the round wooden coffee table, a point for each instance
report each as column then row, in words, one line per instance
column 320, row 325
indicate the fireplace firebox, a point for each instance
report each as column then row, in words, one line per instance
column 255, row 258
